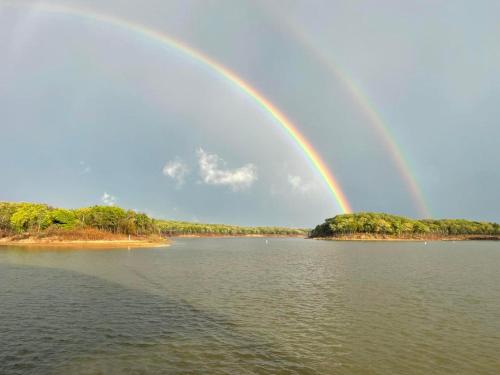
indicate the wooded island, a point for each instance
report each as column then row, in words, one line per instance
column 40, row 223
column 36, row 223
column 367, row 225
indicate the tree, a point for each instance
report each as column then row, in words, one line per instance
column 31, row 217
column 63, row 218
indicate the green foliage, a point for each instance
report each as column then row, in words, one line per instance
column 28, row 217
column 33, row 217
column 63, row 218
column 106, row 218
column 6, row 212
column 168, row 227
column 392, row 225
column 116, row 219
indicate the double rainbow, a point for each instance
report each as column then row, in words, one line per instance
column 232, row 77
column 359, row 96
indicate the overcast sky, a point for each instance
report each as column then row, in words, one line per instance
column 93, row 114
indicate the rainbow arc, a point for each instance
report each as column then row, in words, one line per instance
column 167, row 41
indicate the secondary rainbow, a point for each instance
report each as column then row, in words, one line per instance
column 166, row 40
column 361, row 99
column 382, row 130
column 390, row 144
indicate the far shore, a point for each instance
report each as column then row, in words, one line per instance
column 209, row 235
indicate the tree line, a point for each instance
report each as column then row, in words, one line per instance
column 169, row 227
column 16, row 218
column 400, row 226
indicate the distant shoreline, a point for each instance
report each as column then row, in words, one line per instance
column 209, row 235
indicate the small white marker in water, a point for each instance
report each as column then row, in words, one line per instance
column 267, row 242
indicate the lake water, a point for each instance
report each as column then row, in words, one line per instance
column 244, row 306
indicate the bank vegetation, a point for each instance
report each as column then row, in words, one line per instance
column 21, row 221
column 367, row 225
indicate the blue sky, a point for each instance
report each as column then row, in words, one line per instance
column 92, row 114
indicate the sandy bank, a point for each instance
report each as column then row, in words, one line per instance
column 205, row 235
column 365, row 237
column 95, row 244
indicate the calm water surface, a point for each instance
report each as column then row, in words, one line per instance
column 244, row 306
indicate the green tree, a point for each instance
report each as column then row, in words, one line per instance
column 31, row 217
column 63, row 218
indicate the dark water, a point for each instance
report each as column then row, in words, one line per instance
column 244, row 306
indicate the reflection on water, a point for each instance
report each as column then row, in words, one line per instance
column 247, row 306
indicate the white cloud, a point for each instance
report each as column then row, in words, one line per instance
column 213, row 174
column 176, row 170
column 299, row 185
column 108, row 199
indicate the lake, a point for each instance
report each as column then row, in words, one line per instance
column 246, row 306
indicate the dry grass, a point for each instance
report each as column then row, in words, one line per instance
column 82, row 234
column 81, row 238
column 76, row 234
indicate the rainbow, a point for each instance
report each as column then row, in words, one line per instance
column 366, row 106
column 389, row 142
column 264, row 103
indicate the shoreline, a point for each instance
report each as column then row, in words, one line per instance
column 204, row 235
column 415, row 239
column 54, row 242
column 87, row 244
column 51, row 242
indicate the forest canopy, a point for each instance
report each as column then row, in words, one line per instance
column 18, row 218
column 399, row 226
